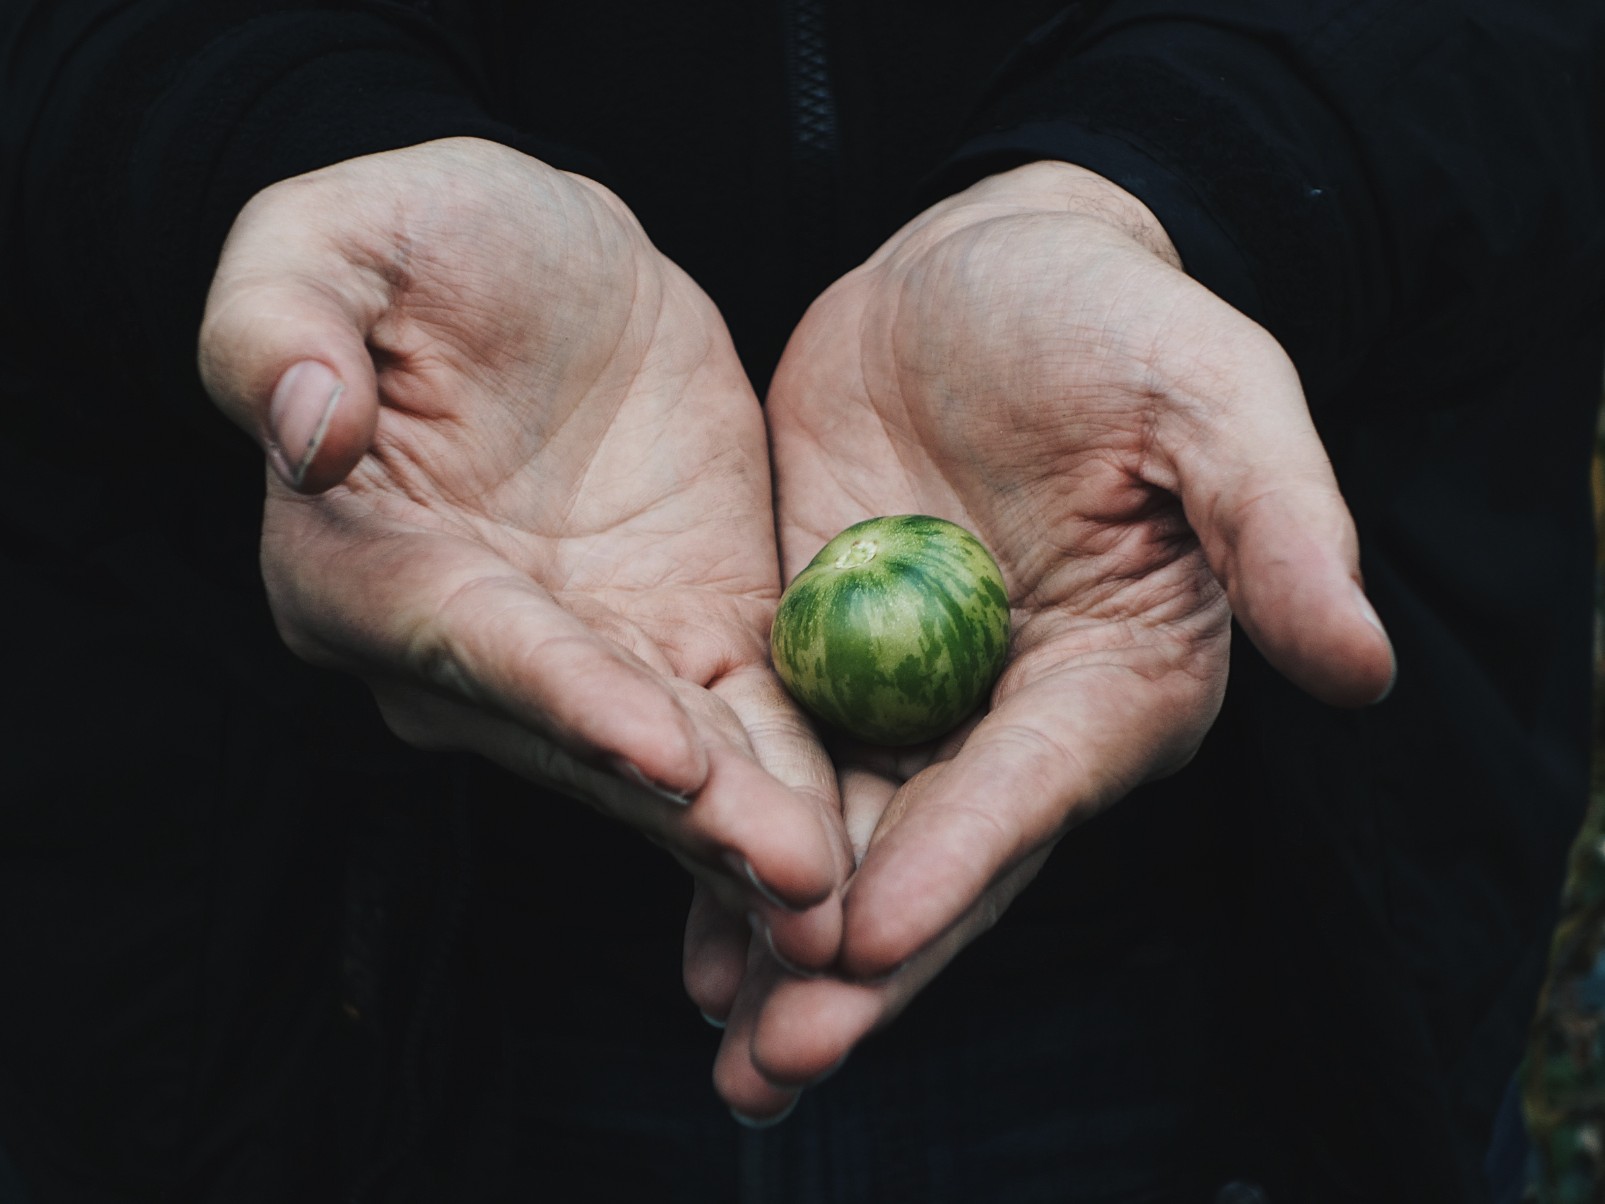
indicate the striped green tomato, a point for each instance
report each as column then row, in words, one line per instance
column 895, row 631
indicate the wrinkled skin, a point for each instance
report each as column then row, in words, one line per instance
column 536, row 519
column 1028, row 360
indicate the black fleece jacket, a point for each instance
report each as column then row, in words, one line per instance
column 1410, row 196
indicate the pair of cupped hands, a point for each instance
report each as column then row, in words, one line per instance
column 523, row 488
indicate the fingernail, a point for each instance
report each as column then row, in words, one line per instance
column 880, row 980
column 742, row 868
column 756, row 923
column 830, row 1070
column 765, row 1122
column 1369, row 614
column 1367, row 611
column 630, row 770
column 714, row 1021
column 299, row 414
column 1393, row 678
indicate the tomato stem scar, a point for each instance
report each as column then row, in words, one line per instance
column 860, row 551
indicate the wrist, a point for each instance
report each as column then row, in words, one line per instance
column 1057, row 186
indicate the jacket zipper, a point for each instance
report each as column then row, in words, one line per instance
column 815, row 132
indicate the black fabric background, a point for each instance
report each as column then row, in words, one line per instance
column 1409, row 196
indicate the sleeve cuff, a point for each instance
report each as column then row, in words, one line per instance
column 363, row 87
column 1255, row 179
column 1208, row 253
column 178, row 116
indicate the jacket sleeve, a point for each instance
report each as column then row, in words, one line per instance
column 1347, row 174
column 134, row 133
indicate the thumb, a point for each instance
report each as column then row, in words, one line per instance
column 283, row 349
column 1258, row 489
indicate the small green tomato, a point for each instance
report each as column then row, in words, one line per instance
column 896, row 631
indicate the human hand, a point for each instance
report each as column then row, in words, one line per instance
column 521, row 488
column 1027, row 359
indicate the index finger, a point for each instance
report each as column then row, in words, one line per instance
column 788, row 1032
column 1049, row 756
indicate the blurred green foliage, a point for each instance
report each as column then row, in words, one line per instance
column 1563, row 1078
